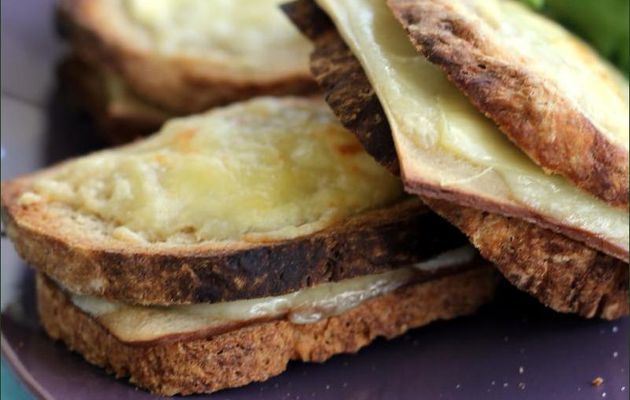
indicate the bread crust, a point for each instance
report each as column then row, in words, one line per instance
column 331, row 59
column 258, row 352
column 370, row 242
column 180, row 84
column 559, row 138
column 563, row 274
column 117, row 123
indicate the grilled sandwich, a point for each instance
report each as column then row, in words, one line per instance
column 546, row 233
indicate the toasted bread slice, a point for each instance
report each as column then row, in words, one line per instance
column 262, row 350
column 188, row 56
column 120, row 115
column 563, row 274
column 548, row 91
column 447, row 149
column 255, row 199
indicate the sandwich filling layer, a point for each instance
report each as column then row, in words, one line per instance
column 446, row 146
column 266, row 169
column 148, row 323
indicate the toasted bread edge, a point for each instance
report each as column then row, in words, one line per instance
column 370, row 242
column 561, row 138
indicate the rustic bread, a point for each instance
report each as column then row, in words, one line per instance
column 270, row 195
column 562, row 273
column 448, row 149
column 187, row 56
column 260, row 351
column 548, row 91
column 120, row 115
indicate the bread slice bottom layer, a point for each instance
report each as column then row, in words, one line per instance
column 258, row 352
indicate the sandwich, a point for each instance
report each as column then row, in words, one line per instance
column 501, row 121
column 134, row 64
column 211, row 253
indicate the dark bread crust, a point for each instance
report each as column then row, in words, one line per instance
column 180, row 85
column 117, row 124
column 563, row 274
column 370, row 242
column 560, row 138
column 352, row 99
column 258, row 352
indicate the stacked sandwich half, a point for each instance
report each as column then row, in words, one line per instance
column 136, row 63
column 231, row 242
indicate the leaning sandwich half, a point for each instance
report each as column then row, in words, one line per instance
column 237, row 240
column 501, row 121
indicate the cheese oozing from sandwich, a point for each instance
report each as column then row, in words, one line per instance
column 444, row 143
column 146, row 323
column 243, row 35
column 265, row 169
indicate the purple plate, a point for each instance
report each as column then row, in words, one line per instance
column 513, row 349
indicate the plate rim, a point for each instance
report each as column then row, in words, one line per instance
column 21, row 372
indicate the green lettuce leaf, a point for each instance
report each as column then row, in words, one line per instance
column 603, row 23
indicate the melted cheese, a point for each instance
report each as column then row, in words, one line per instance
column 143, row 323
column 247, row 35
column 264, row 169
column 442, row 139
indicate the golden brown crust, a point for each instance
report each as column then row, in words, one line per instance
column 370, row 242
column 562, row 273
column 258, row 352
column 428, row 190
column 560, row 138
column 178, row 84
column 118, row 123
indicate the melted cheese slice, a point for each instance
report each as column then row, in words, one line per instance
column 266, row 169
column 445, row 144
column 310, row 305
column 242, row 34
